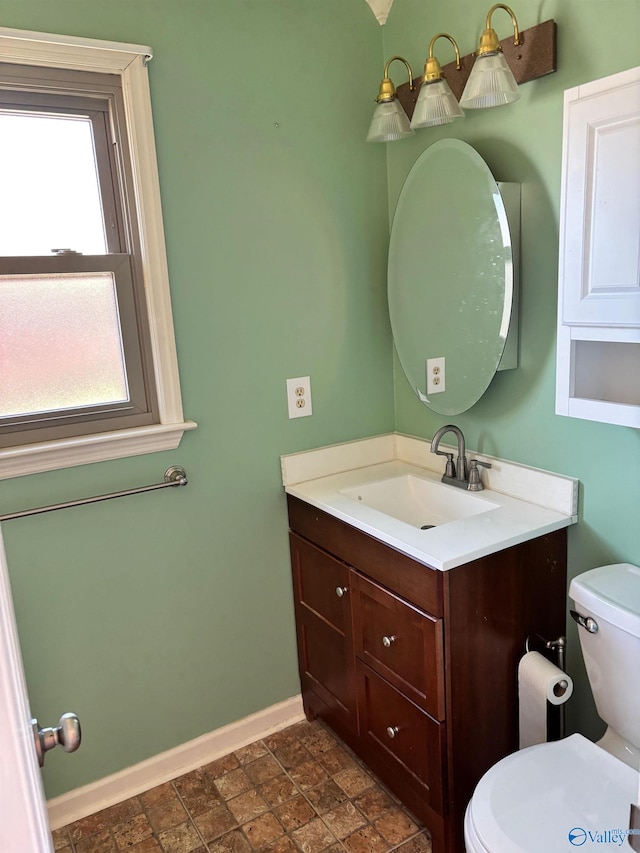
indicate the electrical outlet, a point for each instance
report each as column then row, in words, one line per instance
column 435, row 375
column 299, row 397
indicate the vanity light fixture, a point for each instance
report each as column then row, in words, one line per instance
column 436, row 102
column 492, row 74
column 491, row 82
column 389, row 120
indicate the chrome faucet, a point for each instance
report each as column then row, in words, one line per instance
column 458, row 474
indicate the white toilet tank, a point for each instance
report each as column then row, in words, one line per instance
column 610, row 595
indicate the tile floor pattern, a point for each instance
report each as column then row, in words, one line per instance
column 298, row 790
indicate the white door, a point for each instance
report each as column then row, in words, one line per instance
column 23, row 814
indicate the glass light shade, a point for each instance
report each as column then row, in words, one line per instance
column 490, row 84
column 436, row 104
column 389, row 122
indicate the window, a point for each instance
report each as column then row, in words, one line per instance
column 87, row 355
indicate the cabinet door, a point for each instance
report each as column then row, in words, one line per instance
column 322, row 590
column 600, row 207
column 401, row 643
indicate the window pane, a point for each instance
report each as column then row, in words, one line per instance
column 60, row 343
column 50, row 195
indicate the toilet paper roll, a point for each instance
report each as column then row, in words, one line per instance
column 539, row 682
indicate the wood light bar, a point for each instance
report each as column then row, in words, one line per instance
column 534, row 58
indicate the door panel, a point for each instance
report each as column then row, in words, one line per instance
column 23, row 823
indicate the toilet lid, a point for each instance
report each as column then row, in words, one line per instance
column 554, row 797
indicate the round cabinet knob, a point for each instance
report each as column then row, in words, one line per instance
column 392, row 731
column 341, row 591
column 387, row 642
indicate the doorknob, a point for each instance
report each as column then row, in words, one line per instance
column 67, row 734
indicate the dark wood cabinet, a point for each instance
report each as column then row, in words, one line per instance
column 416, row 669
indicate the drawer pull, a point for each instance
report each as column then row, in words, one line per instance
column 341, row 591
column 387, row 642
column 392, row 731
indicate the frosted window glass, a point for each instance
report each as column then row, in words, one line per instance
column 50, row 195
column 60, row 343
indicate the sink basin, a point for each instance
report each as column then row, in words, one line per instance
column 419, row 502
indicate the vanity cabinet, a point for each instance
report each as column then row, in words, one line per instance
column 414, row 668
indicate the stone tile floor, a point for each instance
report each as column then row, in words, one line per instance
column 299, row 789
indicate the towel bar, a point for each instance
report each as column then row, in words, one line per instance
column 174, row 476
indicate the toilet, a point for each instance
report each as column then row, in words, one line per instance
column 569, row 793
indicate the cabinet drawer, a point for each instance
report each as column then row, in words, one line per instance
column 401, row 643
column 409, row 740
column 322, row 583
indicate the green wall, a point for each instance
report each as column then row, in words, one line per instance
column 160, row 617
column 522, row 142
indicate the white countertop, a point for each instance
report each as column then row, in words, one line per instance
column 552, row 504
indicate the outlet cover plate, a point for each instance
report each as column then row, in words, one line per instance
column 299, row 397
column 435, row 375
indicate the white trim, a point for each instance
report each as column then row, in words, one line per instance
column 128, row 61
column 55, row 51
column 148, row 206
column 141, row 777
column 604, row 411
column 100, row 447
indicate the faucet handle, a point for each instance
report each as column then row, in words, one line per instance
column 475, row 483
column 450, row 468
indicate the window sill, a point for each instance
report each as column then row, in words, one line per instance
column 101, row 447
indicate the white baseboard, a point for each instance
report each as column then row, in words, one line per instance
column 165, row 766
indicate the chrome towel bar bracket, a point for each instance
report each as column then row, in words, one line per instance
column 174, row 476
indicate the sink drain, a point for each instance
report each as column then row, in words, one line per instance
column 427, row 526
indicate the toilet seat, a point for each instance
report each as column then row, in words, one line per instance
column 533, row 799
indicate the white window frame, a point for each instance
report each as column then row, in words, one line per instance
column 129, row 61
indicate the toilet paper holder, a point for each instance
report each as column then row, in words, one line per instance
column 558, row 646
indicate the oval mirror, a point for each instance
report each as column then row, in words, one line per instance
column 451, row 277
